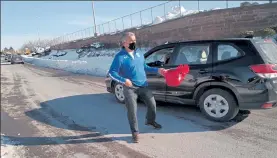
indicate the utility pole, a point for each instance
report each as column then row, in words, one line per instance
column 198, row 6
column 95, row 33
column 38, row 30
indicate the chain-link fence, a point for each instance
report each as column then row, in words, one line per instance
column 147, row 17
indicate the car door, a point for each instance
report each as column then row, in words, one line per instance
column 199, row 58
column 159, row 57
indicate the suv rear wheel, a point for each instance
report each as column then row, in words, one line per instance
column 118, row 92
column 119, row 95
column 218, row 105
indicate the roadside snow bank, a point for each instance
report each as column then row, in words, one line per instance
column 75, row 66
column 82, row 63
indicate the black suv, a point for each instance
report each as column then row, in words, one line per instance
column 225, row 75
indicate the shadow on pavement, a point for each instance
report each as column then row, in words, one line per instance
column 101, row 113
column 34, row 141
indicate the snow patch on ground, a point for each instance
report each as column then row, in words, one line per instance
column 9, row 151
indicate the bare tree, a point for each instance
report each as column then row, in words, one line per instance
column 33, row 45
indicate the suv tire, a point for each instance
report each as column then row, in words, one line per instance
column 118, row 92
column 218, row 105
column 119, row 99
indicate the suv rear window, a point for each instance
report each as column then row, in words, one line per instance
column 16, row 56
column 226, row 52
column 268, row 51
column 193, row 54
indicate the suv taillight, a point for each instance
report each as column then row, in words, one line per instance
column 268, row 40
column 265, row 70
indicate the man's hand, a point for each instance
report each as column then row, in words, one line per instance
column 128, row 83
column 162, row 71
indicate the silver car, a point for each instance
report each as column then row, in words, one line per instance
column 17, row 59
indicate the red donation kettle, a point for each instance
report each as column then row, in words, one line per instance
column 174, row 77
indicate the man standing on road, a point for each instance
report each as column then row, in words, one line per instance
column 128, row 68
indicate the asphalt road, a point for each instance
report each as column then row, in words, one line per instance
column 52, row 113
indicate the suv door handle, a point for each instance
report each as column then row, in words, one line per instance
column 202, row 71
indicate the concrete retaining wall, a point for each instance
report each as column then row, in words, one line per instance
column 206, row 25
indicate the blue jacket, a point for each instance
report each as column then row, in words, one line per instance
column 125, row 67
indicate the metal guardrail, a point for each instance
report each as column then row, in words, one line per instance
column 138, row 19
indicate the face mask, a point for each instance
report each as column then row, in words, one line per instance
column 132, row 46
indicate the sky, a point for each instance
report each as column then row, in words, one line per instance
column 23, row 21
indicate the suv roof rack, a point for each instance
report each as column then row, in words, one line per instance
column 172, row 42
column 249, row 36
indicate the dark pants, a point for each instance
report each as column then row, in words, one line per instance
column 131, row 96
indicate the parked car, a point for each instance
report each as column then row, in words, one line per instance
column 225, row 75
column 8, row 57
column 16, row 59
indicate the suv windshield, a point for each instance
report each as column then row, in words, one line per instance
column 268, row 51
column 16, row 56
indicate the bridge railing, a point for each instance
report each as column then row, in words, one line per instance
column 150, row 16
